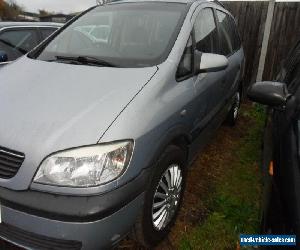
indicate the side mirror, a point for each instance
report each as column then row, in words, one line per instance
column 274, row 94
column 206, row 62
column 3, row 56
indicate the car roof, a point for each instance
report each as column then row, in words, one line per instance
column 166, row 1
column 189, row 2
column 29, row 24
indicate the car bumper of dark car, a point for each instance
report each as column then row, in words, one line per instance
column 35, row 220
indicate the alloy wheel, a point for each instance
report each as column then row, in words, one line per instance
column 167, row 197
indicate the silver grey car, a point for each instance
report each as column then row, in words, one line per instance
column 18, row 38
column 97, row 135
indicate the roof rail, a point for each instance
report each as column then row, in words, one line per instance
column 218, row 2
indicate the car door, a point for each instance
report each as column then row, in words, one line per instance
column 18, row 41
column 281, row 200
column 288, row 138
column 286, row 175
column 208, row 86
column 230, row 46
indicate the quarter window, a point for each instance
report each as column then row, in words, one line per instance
column 185, row 67
column 206, row 35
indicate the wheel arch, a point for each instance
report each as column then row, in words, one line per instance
column 177, row 136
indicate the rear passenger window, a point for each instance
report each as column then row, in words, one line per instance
column 206, row 35
column 47, row 32
column 230, row 40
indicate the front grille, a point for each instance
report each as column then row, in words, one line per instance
column 10, row 162
column 28, row 240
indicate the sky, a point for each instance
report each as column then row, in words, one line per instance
column 64, row 6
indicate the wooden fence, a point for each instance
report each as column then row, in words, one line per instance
column 285, row 31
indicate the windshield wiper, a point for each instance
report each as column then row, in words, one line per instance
column 85, row 60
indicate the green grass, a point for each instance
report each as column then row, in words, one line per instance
column 235, row 201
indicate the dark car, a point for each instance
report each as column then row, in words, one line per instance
column 281, row 165
column 18, row 38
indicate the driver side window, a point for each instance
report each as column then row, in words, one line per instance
column 206, row 34
column 206, row 41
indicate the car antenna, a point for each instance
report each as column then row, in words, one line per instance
column 100, row 2
column 218, row 2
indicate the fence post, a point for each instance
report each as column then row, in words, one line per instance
column 265, row 42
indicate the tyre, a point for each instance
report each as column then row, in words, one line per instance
column 235, row 109
column 162, row 198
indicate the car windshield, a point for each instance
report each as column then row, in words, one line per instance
column 121, row 34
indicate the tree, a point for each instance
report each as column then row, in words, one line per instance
column 2, row 8
column 101, row 2
column 44, row 13
column 9, row 10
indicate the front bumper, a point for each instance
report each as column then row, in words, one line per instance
column 37, row 220
column 33, row 232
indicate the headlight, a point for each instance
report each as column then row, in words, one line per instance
column 86, row 166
